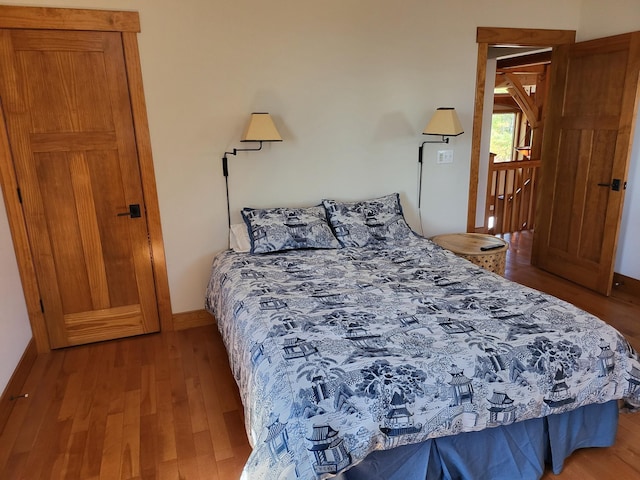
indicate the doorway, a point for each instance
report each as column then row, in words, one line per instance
column 586, row 151
column 488, row 37
column 519, row 88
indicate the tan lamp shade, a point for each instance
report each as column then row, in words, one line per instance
column 261, row 129
column 444, row 122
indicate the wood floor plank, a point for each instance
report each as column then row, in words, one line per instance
column 228, row 394
column 188, row 467
column 210, row 391
column 197, row 407
column 49, row 448
column 168, row 470
column 71, row 396
column 165, row 406
column 165, row 427
column 206, row 459
column 112, row 447
column 185, row 447
column 74, row 455
column 149, row 458
column 208, row 467
column 92, row 458
column 130, row 452
column 148, row 395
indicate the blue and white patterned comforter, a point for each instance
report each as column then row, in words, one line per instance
column 338, row 353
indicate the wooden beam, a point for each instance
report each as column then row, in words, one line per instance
column 525, row 79
column 532, row 59
column 476, row 135
column 68, row 19
column 524, row 69
column 524, row 37
column 524, row 101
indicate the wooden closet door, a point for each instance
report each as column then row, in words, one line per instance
column 67, row 108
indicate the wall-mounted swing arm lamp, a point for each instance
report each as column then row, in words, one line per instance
column 444, row 123
column 260, row 129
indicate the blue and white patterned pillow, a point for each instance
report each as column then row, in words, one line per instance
column 368, row 222
column 276, row 229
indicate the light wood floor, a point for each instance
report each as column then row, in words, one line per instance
column 165, row 406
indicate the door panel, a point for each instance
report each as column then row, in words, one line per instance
column 593, row 101
column 67, row 108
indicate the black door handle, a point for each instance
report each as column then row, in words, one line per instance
column 134, row 211
column 615, row 185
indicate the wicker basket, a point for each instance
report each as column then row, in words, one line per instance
column 469, row 246
column 494, row 262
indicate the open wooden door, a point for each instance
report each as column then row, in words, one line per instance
column 66, row 104
column 585, row 158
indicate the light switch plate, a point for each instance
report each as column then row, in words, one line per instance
column 445, row 156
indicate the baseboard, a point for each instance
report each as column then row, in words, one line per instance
column 625, row 287
column 16, row 382
column 195, row 318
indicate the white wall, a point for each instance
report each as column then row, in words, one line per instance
column 15, row 331
column 628, row 257
column 601, row 19
column 351, row 85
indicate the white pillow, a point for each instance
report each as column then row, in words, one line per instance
column 239, row 238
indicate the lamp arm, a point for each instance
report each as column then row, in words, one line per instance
column 225, row 167
column 445, row 139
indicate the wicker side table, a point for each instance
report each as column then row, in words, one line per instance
column 487, row 251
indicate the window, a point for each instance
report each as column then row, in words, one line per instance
column 503, row 127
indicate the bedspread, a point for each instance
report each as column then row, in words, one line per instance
column 338, row 353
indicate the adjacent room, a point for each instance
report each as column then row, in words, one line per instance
column 298, row 239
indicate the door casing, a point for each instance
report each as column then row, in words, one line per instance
column 491, row 36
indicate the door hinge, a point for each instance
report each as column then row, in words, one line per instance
column 41, row 306
column 19, row 195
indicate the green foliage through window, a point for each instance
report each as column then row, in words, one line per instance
column 502, row 132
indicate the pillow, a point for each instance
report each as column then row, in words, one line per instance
column 276, row 229
column 368, row 222
column 239, row 238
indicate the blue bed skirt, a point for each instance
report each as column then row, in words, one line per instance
column 520, row 450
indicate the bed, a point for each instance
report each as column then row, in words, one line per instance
column 364, row 351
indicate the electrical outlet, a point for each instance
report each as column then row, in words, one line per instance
column 445, row 156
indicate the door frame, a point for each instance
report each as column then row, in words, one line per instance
column 128, row 25
column 491, row 36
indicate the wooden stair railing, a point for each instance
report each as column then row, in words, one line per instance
column 511, row 195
